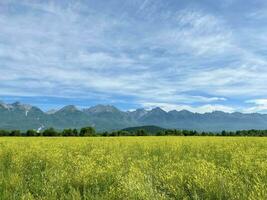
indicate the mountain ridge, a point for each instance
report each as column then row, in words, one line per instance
column 108, row 118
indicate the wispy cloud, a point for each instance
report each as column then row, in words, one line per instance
column 179, row 55
column 197, row 109
column 256, row 105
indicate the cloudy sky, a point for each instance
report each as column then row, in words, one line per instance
column 177, row 54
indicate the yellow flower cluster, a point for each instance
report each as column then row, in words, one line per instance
column 133, row 168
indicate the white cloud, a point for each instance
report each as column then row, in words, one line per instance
column 258, row 14
column 196, row 109
column 257, row 105
column 170, row 56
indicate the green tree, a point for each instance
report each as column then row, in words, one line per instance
column 67, row 132
column 75, row 132
column 141, row 132
column 224, row 133
column 4, row 133
column 31, row 133
column 15, row 133
column 87, row 131
column 50, row 132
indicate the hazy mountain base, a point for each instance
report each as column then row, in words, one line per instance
column 108, row 118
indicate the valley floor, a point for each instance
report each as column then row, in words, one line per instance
column 133, row 168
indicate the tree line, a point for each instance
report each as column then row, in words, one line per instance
column 51, row 132
column 91, row 132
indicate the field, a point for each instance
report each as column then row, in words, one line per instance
column 133, row 168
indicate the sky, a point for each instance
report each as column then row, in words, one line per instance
column 175, row 54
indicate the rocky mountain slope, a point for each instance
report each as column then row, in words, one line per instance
column 107, row 118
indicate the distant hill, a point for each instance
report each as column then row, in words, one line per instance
column 150, row 129
column 109, row 118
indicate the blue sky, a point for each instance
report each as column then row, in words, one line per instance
column 176, row 54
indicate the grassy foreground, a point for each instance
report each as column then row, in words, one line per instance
column 133, row 168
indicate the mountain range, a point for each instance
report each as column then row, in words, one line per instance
column 108, row 118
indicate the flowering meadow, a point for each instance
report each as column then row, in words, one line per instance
column 117, row 168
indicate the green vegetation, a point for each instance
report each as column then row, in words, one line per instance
column 133, row 131
column 151, row 130
column 133, row 168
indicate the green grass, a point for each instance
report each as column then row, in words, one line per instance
column 133, row 168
